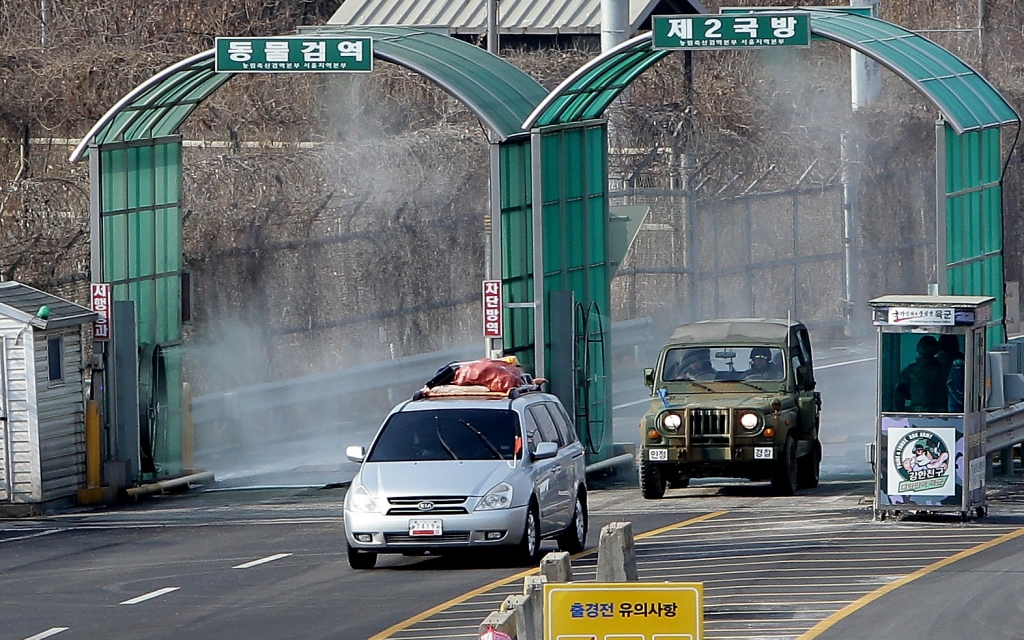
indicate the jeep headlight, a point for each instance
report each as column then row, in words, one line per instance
column 359, row 499
column 500, row 497
column 671, row 422
column 750, row 420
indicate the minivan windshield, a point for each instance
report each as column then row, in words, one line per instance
column 447, row 434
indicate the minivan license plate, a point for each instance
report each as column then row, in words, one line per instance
column 424, row 527
column 762, row 453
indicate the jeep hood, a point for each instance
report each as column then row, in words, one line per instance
column 707, row 400
column 433, row 478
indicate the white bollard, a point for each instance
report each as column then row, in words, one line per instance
column 616, row 555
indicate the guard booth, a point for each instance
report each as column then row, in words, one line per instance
column 929, row 452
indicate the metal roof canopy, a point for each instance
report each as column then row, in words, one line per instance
column 500, row 94
column 518, row 17
column 966, row 100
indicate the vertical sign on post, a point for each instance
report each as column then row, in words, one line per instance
column 492, row 309
column 101, row 305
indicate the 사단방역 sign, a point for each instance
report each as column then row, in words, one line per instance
column 616, row 610
column 761, row 29
column 284, row 54
column 492, row 309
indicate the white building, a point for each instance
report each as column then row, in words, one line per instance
column 42, row 398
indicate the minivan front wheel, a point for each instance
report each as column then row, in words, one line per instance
column 360, row 560
column 528, row 549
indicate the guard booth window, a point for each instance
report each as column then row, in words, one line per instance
column 922, row 373
column 55, row 359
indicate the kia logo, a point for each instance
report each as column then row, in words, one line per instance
column 425, row 506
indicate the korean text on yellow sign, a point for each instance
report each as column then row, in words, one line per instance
column 624, row 611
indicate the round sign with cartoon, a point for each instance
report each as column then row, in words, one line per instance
column 922, row 460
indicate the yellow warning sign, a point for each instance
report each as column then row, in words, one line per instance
column 624, row 611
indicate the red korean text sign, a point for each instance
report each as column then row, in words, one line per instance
column 101, row 305
column 492, row 309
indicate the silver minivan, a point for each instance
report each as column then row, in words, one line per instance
column 468, row 473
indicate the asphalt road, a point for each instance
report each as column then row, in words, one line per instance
column 87, row 572
column 270, row 563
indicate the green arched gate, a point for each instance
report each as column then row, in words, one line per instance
column 549, row 174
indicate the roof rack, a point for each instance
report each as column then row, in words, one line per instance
column 444, row 383
column 480, row 392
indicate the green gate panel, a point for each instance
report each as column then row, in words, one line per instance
column 574, row 184
column 517, row 247
column 141, row 245
column 974, row 219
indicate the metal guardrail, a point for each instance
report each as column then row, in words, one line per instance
column 404, row 372
column 1004, row 427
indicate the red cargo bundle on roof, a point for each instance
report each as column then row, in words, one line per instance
column 496, row 375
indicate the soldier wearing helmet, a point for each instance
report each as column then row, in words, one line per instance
column 922, row 385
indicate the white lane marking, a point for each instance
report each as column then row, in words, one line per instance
column 150, row 595
column 276, row 556
column 52, row 631
column 842, row 364
column 32, row 535
column 630, row 404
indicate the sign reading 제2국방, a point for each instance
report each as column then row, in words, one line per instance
column 733, row 31
column 294, row 54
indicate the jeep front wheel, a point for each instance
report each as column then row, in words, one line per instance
column 784, row 480
column 808, row 468
column 652, row 482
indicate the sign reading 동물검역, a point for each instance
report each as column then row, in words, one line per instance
column 617, row 611
column 284, row 54
column 733, row 31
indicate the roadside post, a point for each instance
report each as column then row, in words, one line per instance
column 929, row 451
column 638, row 611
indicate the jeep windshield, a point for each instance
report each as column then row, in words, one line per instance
column 749, row 365
column 447, row 434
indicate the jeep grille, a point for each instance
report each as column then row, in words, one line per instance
column 706, row 423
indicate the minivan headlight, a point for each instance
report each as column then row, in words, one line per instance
column 500, row 497
column 361, row 500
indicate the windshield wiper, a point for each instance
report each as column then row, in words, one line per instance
column 702, row 386
column 753, row 386
column 483, row 439
column 445, row 444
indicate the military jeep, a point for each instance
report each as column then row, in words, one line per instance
column 735, row 399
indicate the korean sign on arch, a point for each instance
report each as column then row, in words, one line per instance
column 732, row 31
column 303, row 54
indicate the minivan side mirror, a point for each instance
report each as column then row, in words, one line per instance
column 355, row 453
column 649, row 377
column 545, row 450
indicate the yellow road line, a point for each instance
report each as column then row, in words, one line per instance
column 405, row 624
column 856, row 605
